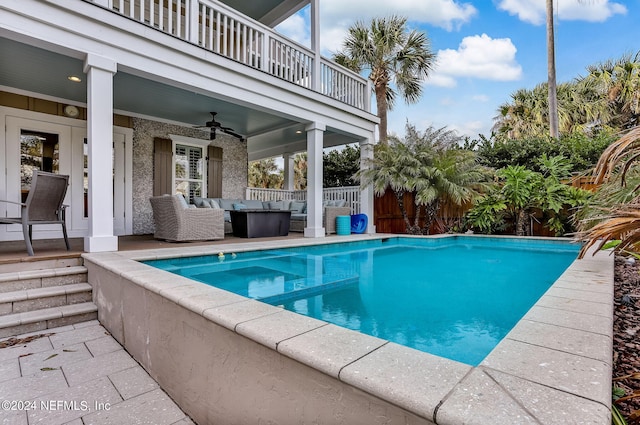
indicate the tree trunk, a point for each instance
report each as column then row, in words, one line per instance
column 521, row 223
column 415, row 229
column 551, row 70
column 430, row 217
column 400, row 198
column 381, row 106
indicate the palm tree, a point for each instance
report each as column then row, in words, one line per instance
column 618, row 83
column 265, row 174
column 393, row 55
column 300, row 171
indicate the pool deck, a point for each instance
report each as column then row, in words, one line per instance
column 554, row 367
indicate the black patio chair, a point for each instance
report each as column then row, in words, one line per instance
column 42, row 206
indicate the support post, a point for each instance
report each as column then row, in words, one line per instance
column 366, row 193
column 315, row 135
column 289, row 171
column 100, row 72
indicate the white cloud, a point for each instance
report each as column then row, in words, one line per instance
column 480, row 98
column 296, row 28
column 534, row 11
column 447, row 101
column 469, row 128
column 336, row 16
column 478, row 56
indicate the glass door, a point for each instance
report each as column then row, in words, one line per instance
column 34, row 145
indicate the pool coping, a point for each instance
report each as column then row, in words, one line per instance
column 553, row 367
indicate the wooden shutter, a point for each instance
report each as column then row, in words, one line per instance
column 162, row 166
column 214, row 172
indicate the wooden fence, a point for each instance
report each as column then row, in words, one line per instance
column 388, row 217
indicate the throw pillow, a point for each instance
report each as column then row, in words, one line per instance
column 297, row 207
column 253, row 204
column 275, row 205
column 204, row 205
column 214, row 204
column 200, row 203
column 239, row 207
column 340, row 203
column 182, row 201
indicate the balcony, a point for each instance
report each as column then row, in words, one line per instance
column 220, row 29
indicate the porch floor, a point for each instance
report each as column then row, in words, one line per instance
column 12, row 251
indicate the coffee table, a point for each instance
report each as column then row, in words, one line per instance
column 260, row 223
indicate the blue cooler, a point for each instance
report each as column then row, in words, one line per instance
column 343, row 225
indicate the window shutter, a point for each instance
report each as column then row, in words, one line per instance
column 162, row 166
column 214, row 172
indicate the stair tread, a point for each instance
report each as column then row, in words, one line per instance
column 36, row 274
column 27, row 317
column 49, row 291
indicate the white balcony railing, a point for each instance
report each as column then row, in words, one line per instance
column 351, row 195
column 224, row 31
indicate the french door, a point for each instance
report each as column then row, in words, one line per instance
column 33, row 144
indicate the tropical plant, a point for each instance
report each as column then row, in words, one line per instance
column 427, row 164
column 620, row 219
column 522, row 193
column 394, row 56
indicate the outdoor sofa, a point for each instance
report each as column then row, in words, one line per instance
column 298, row 221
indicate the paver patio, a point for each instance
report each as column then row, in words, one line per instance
column 78, row 375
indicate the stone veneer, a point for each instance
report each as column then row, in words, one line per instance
column 234, row 169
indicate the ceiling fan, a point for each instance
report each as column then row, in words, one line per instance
column 215, row 126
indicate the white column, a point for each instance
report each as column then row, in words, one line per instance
column 315, row 43
column 100, row 73
column 315, row 133
column 366, row 193
column 289, row 171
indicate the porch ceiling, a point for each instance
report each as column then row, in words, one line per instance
column 269, row 12
column 41, row 71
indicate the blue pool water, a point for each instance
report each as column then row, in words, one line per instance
column 453, row 297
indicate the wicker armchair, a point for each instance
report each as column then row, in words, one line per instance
column 175, row 222
column 328, row 219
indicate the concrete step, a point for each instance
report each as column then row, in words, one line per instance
column 39, row 298
column 38, row 320
column 39, row 263
column 42, row 278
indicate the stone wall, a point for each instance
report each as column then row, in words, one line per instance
column 234, row 166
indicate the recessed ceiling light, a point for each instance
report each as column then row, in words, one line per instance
column 74, row 78
column 298, row 131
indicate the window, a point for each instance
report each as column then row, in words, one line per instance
column 38, row 151
column 189, row 171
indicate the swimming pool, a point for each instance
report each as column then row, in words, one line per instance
column 455, row 298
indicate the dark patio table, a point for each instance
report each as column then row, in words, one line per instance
column 260, row 223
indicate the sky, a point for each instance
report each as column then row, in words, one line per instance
column 485, row 49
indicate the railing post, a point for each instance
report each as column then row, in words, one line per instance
column 192, row 21
column 265, row 57
column 315, row 44
column 367, row 96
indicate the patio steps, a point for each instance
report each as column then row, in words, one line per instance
column 38, row 295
